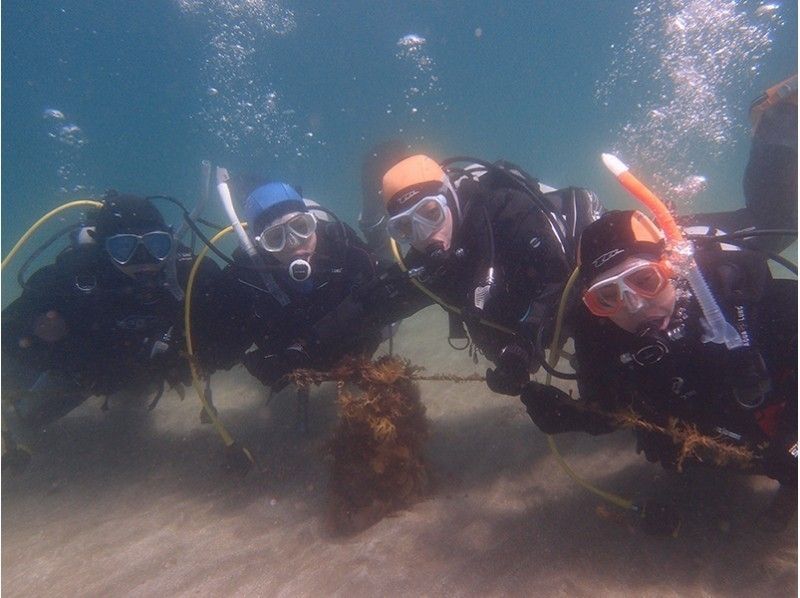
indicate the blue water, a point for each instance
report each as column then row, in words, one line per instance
column 515, row 80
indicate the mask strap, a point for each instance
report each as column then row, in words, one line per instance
column 452, row 190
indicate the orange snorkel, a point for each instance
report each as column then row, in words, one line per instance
column 638, row 189
column 717, row 328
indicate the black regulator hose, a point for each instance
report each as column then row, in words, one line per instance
column 540, row 355
column 762, row 232
column 41, row 249
column 739, row 239
column 193, row 225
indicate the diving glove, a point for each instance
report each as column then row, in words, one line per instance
column 554, row 411
column 267, row 368
column 271, row 368
column 511, row 373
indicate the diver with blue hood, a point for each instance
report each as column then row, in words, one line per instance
column 306, row 263
column 106, row 316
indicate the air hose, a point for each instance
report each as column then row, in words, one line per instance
column 72, row 204
column 436, row 299
column 227, row 439
column 555, row 351
column 24, row 238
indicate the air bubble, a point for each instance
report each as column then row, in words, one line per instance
column 698, row 55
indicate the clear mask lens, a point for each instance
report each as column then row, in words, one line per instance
column 158, row 244
column 274, row 238
column 122, row 247
column 420, row 221
column 631, row 288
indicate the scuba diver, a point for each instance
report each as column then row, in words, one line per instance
column 770, row 177
column 372, row 219
column 302, row 264
column 106, row 316
column 489, row 244
column 644, row 342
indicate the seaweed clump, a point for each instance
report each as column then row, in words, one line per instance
column 690, row 444
column 377, row 448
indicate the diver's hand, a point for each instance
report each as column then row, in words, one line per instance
column 271, row 368
column 511, row 373
column 554, row 411
column 549, row 407
column 658, row 448
column 296, row 355
column 268, row 368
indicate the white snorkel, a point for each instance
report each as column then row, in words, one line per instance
column 227, row 204
column 245, row 242
column 716, row 328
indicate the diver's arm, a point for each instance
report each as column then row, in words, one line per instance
column 554, row 411
column 222, row 319
column 379, row 302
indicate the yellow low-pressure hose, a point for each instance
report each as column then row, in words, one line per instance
column 555, row 351
column 187, row 321
column 72, row 204
column 456, row 310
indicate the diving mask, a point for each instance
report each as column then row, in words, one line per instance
column 642, row 280
column 420, row 221
column 122, row 247
column 299, row 227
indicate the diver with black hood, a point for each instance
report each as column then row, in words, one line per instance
column 106, row 316
column 644, row 342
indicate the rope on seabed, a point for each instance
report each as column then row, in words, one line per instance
column 344, row 372
column 690, row 443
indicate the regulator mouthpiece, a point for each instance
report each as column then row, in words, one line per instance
column 300, row 270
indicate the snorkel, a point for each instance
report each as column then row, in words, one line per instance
column 227, row 204
column 245, row 242
column 717, row 329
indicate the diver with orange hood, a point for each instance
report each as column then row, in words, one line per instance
column 489, row 244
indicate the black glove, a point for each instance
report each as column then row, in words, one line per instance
column 554, row 411
column 268, row 368
column 511, row 373
column 658, row 448
column 271, row 367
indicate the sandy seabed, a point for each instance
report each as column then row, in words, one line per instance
column 131, row 503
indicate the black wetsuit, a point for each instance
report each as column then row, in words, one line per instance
column 530, row 265
column 114, row 333
column 498, row 227
column 253, row 315
column 662, row 377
